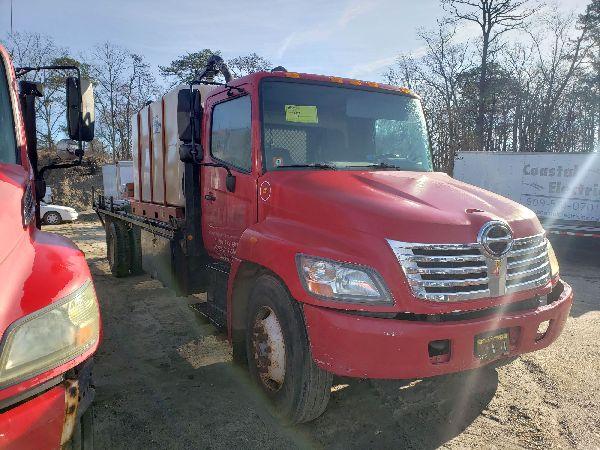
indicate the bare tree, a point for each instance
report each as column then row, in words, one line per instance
column 494, row 18
column 443, row 64
column 405, row 72
column 436, row 76
column 123, row 84
column 34, row 50
column 559, row 66
column 542, row 91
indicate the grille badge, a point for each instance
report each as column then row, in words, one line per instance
column 495, row 238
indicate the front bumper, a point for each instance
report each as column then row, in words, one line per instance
column 46, row 419
column 367, row 347
column 36, row 423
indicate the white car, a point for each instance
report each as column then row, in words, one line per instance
column 55, row 214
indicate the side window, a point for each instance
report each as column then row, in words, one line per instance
column 8, row 144
column 230, row 133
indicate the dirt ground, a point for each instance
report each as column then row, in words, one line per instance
column 164, row 379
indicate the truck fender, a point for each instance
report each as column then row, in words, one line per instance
column 272, row 246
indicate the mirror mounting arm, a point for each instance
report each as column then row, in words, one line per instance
column 230, row 180
column 68, row 165
column 224, row 166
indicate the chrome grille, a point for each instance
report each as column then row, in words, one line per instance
column 456, row 272
column 527, row 264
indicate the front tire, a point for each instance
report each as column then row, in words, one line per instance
column 279, row 358
column 135, row 249
column 52, row 218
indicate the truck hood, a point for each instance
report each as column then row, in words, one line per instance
column 36, row 268
column 406, row 206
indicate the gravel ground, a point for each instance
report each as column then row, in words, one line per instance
column 165, row 380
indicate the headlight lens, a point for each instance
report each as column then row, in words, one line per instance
column 341, row 281
column 554, row 268
column 50, row 337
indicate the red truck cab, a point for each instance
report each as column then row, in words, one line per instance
column 325, row 240
column 49, row 314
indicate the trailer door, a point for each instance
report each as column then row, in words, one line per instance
column 225, row 215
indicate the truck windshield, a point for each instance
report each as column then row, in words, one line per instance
column 8, row 144
column 328, row 127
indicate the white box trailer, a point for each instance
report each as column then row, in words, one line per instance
column 115, row 177
column 563, row 189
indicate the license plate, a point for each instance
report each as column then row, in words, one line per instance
column 491, row 345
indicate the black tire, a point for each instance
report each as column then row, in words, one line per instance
column 135, row 249
column 52, row 218
column 83, row 434
column 117, row 248
column 305, row 390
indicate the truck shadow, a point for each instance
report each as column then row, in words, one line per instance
column 403, row 414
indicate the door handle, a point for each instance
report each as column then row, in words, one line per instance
column 210, row 197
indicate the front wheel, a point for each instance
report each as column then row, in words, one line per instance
column 279, row 356
column 52, row 218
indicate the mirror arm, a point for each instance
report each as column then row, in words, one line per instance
column 20, row 71
column 218, row 165
column 68, row 165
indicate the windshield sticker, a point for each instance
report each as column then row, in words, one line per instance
column 301, row 114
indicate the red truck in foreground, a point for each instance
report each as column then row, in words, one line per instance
column 308, row 209
column 49, row 314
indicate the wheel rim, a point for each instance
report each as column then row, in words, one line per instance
column 268, row 348
column 52, row 219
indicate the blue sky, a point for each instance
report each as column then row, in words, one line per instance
column 352, row 38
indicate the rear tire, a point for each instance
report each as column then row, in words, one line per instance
column 279, row 358
column 135, row 249
column 52, row 218
column 117, row 248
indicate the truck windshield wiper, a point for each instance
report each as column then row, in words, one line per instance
column 381, row 165
column 311, row 166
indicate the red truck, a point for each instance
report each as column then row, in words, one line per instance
column 308, row 209
column 49, row 315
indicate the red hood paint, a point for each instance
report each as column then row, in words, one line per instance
column 36, row 268
column 13, row 179
column 404, row 206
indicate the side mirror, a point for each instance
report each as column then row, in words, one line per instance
column 189, row 113
column 186, row 154
column 80, row 109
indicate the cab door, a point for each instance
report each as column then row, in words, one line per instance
column 225, row 214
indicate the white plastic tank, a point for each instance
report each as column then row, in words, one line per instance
column 157, row 170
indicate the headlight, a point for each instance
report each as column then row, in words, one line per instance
column 341, row 281
column 50, row 337
column 554, row 268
